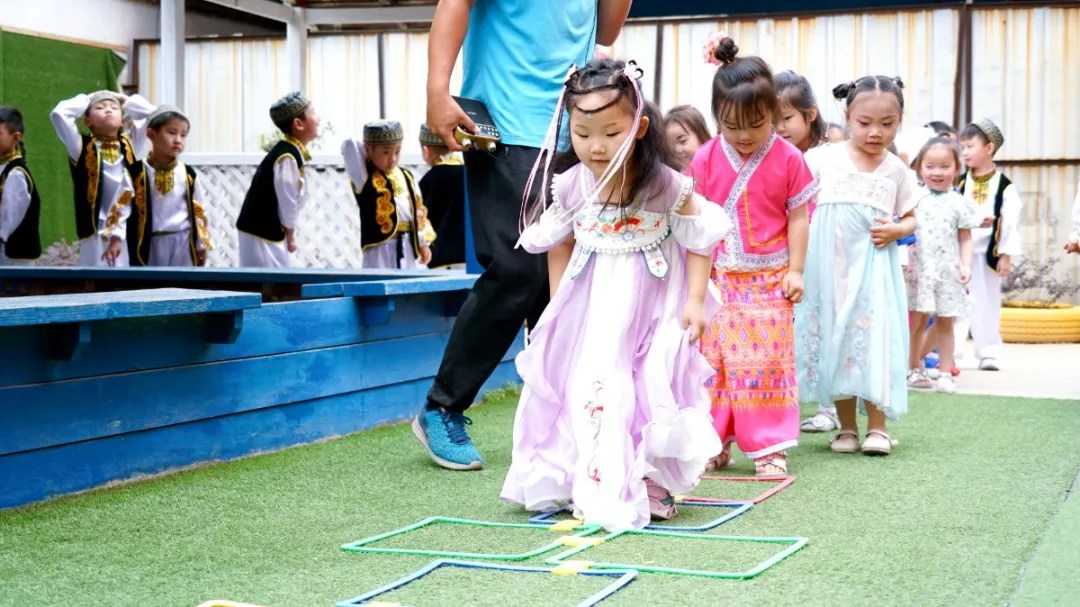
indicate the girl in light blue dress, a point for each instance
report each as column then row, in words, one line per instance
column 851, row 330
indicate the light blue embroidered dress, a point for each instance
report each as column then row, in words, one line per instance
column 851, row 329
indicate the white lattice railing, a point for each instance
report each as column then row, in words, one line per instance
column 329, row 232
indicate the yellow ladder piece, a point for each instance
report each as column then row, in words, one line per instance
column 567, row 525
column 573, row 541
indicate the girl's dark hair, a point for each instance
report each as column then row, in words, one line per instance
column 940, row 127
column 744, row 85
column 973, row 132
column 161, row 119
column 849, row 91
column 939, row 140
column 650, row 155
column 689, row 118
column 795, row 91
column 12, row 119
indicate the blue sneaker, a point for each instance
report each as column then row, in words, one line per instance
column 443, row 433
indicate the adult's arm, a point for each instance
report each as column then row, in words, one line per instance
column 448, row 30
column 612, row 16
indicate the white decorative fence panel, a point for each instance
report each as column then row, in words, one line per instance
column 329, row 232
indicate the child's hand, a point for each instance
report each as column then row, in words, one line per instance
column 200, row 258
column 290, row 239
column 694, row 318
column 113, row 252
column 965, row 274
column 1004, row 266
column 1072, row 247
column 793, row 286
column 885, row 232
column 425, row 255
column 987, row 222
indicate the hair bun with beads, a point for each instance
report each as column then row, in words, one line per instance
column 841, row 91
column 726, row 50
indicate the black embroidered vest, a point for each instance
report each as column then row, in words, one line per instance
column 86, row 177
column 443, row 192
column 992, row 256
column 24, row 243
column 140, row 228
column 378, row 212
column 259, row 215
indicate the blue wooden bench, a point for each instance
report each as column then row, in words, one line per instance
column 67, row 319
column 275, row 284
column 376, row 297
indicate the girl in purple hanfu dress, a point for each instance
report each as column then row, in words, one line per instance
column 614, row 414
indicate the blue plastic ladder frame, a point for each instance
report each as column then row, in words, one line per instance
column 737, row 508
column 621, row 579
column 364, row 544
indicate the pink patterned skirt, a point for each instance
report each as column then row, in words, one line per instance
column 751, row 344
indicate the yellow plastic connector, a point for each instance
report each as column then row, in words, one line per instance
column 567, row 525
column 573, row 541
column 575, row 565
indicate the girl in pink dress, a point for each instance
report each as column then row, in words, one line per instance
column 764, row 186
column 614, row 414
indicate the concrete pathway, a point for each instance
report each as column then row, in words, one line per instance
column 1027, row 370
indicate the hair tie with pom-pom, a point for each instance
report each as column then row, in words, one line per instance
column 632, row 71
column 712, row 43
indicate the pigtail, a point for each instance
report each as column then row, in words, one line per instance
column 841, row 91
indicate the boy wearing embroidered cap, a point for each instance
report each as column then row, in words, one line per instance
column 394, row 227
column 996, row 241
column 99, row 163
column 443, row 191
column 168, row 226
column 271, row 210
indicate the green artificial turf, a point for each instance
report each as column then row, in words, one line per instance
column 1052, row 576
column 950, row 518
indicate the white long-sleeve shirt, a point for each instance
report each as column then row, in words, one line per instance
column 114, row 212
column 356, row 167
column 15, row 201
column 114, row 179
column 1009, row 237
column 355, row 163
column 291, row 190
column 170, row 210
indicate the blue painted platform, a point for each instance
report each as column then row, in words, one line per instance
column 155, row 383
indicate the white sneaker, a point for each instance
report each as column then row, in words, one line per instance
column 824, row 421
column 933, row 373
column 988, row 364
column 945, row 385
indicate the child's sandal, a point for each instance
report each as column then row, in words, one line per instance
column 721, row 461
column 771, row 465
column 877, row 442
column 661, row 502
column 845, row 441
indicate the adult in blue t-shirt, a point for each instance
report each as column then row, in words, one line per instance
column 517, row 53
